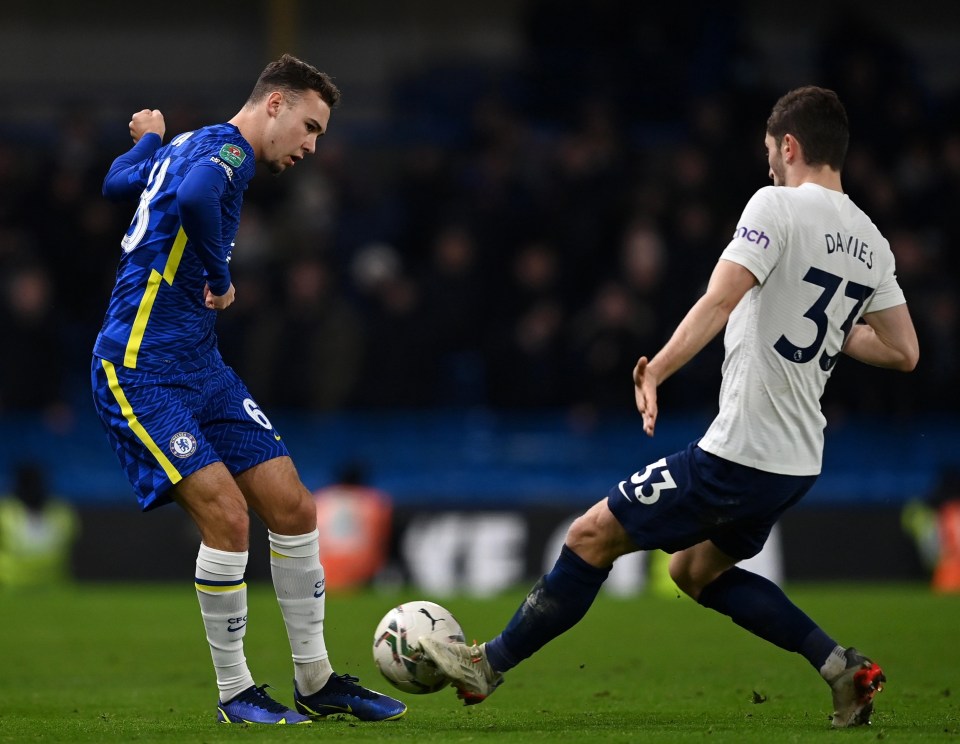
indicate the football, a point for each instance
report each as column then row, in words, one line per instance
column 396, row 647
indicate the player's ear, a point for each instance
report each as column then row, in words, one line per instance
column 790, row 148
column 274, row 102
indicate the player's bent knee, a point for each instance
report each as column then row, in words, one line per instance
column 293, row 515
column 301, row 518
column 229, row 530
column 684, row 578
column 691, row 575
column 598, row 537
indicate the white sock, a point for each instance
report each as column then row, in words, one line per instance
column 835, row 664
column 223, row 605
column 301, row 591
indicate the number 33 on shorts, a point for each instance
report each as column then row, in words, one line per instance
column 648, row 485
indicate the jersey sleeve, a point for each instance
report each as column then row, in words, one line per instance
column 887, row 295
column 127, row 177
column 758, row 241
column 199, row 200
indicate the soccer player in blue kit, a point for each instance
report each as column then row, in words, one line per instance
column 804, row 266
column 182, row 423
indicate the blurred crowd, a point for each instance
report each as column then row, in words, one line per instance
column 509, row 237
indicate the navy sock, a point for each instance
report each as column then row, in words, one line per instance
column 556, row 603
column 759, row 605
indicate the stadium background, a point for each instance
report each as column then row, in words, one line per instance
column 514, row 201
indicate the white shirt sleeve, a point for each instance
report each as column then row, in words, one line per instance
column 757, row 243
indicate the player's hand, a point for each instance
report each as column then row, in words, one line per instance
column 645, row 390
column 218, row 302
column 147, row 121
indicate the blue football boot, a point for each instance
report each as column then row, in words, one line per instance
column 343, row 695
column 254, row 705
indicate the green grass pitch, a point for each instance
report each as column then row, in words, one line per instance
column 128, row 663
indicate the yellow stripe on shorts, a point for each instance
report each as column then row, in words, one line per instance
column 135, row 426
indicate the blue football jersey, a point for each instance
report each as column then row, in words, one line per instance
column 156, row 314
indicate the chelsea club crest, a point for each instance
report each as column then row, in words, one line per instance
column 183, row 444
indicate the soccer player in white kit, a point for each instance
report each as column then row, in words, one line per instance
column 804, row 267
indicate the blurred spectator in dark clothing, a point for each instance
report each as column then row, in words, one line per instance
column 398, row 368
column 533, row 275
column 32, row 370
column 874, row 75
column 942, row 365
column 528, row 365
column 644, row 269
column 256, row 292
column 583, row 197
column 18, row 186
column 425, row 186
column 304, row 352
column 455, row 305
column 77, row 230
column 525, row 347
column 947, row 196
column 607, row 337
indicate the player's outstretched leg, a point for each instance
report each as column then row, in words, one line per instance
column 342, row 695
column 254, row 705
column 556, row 603
column 854, row 687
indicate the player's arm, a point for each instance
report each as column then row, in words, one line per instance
column 728, row 284
column 125, row 179
column 888, row 339
column 198, row 198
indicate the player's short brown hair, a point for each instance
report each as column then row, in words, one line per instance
column 295, row 76
column 817, row 118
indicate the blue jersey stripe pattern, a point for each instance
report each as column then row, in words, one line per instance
column 156, row 314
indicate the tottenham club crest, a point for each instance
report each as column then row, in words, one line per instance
column 183, row 444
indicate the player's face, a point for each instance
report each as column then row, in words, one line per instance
column 777, row 171
column 293, row 131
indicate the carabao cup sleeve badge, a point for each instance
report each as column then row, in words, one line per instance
column 233, row 155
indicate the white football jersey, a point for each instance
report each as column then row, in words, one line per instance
column 821, row 264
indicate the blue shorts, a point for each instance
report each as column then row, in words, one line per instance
column 692, row 496
column 165, row 426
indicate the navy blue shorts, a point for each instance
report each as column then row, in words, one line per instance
column 692, row 496
column 166, row 426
